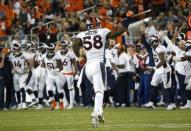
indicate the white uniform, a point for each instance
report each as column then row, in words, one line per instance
column 20, row 71
column 68, row 74
column 68, row 70
column 33, row 82
column 94, row 42
column 163, row 73
column 53, row 75
column 188, row 87
column 40, row 74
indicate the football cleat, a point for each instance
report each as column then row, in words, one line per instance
column 69, row 107
column 94, row 121
column 170, row 107
column 19, row 106
column 101, row 118
column 150, row 105
column 187, row 106
column 24, row 107
column 39, row 107
column 32, row 104
column 61, row 106
column 53, row 106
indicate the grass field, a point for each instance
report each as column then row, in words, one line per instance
column 78, row 119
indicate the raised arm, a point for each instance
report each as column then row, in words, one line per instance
column 121, row 27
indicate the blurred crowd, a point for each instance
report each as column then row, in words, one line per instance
column 18, row 17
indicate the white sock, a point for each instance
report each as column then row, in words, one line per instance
column 72, row 95
column 98, row 102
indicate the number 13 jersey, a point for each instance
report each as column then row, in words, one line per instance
column 94, row 42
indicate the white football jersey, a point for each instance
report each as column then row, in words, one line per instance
column 111, row 56
column 94, row 42
column 51, row 63
column 18, row 62
column 156, row 52
column 39, row 57
column 67, row 61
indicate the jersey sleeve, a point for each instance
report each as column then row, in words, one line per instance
column 105, row 31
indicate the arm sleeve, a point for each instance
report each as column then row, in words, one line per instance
column 149, row 50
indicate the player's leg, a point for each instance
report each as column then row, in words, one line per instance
column 41, row 86
column 167, row 82
column 22, row 82
column 188, row 93
column 156, row 80
column 97, row 77
column 51, row 90
column 60, row 81
column 17, row 90
column 70, row 80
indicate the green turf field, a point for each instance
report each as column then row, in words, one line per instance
column 78, row 119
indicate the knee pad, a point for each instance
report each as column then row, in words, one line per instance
column 29, row 91
column 50, row 93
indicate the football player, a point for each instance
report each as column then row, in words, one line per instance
column 19, row 69
column 69, row 69
column 94, row 42
column 185, row 58
column 40, row 74
column 53, row 64
column 32, row 80
column 162, row 72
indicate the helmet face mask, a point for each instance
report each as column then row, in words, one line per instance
column 50, row 50
column 154, row 41
column 64, row 45
column 93, row 23
column 16, row 48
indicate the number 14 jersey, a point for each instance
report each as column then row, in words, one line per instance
column 94, row 42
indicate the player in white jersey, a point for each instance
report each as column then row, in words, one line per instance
column 32, row 80
column 69, row 69
column 40, row 74
column 162, row 73
column 187, row 58
column 182, row 67
column 111, row 57
column 19, row 64
column 94, row 42
column 53, row 64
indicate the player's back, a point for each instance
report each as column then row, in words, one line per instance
column 94, row 43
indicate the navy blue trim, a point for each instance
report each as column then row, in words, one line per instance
column 103, row 73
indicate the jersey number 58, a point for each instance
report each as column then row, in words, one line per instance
column 92, row 41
